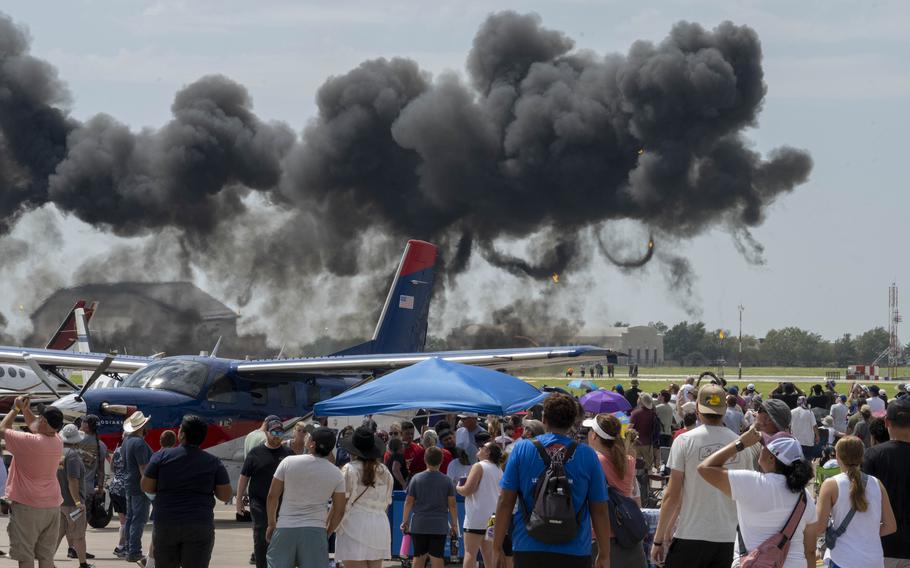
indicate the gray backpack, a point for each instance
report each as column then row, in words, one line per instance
column 553, row 519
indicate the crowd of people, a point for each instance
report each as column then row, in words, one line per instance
column 697, row 475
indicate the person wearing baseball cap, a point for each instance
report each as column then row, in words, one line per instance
column 32, row 487
column 766, row 499
column 303, row 485
column 256, row 478
column 889, row 462
column 258, row 436
column 706, row 528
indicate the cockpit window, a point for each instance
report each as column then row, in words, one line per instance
column 223, row 390
column 2, row 372
column 22, row 373
column 176, row 375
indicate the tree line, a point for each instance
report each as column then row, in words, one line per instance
column 691, row 344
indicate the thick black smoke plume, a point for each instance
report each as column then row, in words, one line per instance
column 543, row 142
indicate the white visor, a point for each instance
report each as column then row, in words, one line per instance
column 592, row 423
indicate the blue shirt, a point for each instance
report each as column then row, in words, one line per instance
column 135, row 453
column 588, row 483
column 186, row 477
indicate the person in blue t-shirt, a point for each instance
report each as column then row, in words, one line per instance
column 186, row 480
column 589, row 496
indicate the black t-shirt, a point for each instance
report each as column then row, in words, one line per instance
column 889, row 462
column 187, row 477
column 404, row 469
column 260, row 466
column 788, row 399
column 632, row 396
column 819, row 401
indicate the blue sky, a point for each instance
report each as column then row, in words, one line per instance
column 838, row 76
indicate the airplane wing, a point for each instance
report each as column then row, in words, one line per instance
column 70, row 360
column 493, row 358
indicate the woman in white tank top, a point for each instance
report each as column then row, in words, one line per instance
column 481, row 492
column 860, row 545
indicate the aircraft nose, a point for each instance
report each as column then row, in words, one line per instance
column 71, row 407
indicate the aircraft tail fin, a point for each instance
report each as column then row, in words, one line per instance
column 402, row 326
column 74, row 329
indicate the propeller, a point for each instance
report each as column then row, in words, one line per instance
column 40, row 373
column 99, row 370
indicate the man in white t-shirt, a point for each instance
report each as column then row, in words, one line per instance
column 803, row 426
column 304, row 485
column 706, row 526
column 839, row 413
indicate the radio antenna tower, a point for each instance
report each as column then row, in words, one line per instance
column 894, row 346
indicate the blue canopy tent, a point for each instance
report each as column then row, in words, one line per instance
column 437, row 384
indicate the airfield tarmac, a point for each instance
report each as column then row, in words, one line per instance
column 233, row 544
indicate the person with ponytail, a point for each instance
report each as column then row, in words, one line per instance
column 765, row 500
column 852, row 490
column 364, row 536
column 605, row 437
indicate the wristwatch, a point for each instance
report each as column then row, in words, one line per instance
column 739, row 445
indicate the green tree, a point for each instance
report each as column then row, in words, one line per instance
column 844, row 350
column 660, row 326
column 683, row 339
column 871, row 344
column 793, row 346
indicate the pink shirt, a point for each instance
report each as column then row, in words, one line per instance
column 623, row 485
column 33, row 473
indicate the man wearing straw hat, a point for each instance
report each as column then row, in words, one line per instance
column 136, row 454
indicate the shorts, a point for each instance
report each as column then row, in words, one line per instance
column 475, row 531
column 33, row 532
column 432, row 544
column 74, row 530
column 299, row 546
column 119, row 503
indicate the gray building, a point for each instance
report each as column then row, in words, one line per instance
column 643, row 344
column 143, row 317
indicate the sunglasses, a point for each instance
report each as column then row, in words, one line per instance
column 277, row 433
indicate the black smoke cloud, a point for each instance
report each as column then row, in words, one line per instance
column 542, row 141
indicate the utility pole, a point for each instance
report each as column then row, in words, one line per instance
column 741, row 308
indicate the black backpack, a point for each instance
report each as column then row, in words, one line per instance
column 553, row 519
column 626, row 519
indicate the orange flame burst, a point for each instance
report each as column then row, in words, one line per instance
column 555, row 278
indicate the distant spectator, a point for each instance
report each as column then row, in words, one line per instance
column 878, row 432
column 803, row 426
column 168, row 439
column 875, row 402
column 428, row 439
column 394, row 462
column 459, row 467
column 32, row 487
column 517, row 427
column 632, row 394
column 788, row 393
column 297, row 443
column 589, row 495
column 257, row 436
column 413, row 452
column 94, row 455
column 839, row 413
column 136, row 455
column 861, row 428
column 341, row 454
column 689, row 421
column 255, row 478
column 364, row 538
column 665, row 414
column 889, row 462
column 644, row 420
column 186, row 481
column 532, row 428
column 431, row 499
column 303, row 485
column 447, row 441
column 465, row 436
column 117, row 491
column 733, row 418
column 751, row 415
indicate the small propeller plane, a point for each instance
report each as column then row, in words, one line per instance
column 234, row 396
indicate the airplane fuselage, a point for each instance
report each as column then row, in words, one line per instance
column 232, row 404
